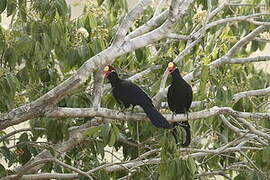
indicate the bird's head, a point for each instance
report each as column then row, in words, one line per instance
column 171, row 67
column 108, row 70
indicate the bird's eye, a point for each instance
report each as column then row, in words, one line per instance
column 171, row 64
column 106, row 68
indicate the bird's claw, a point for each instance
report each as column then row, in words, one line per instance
column 121, row 112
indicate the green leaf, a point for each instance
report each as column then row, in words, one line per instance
column 191, row 165
column 61, row 7
column 203, row 81
column 2, row 40
column 8, row 155
column 22, row 8
column 3, row 4
column 100, row 2
column 25, row 154
column 23, row 44
column 105, row 132
column 11, row 7
column 2, row 171
column 92, row 21
column 114, row 135
column 100, row 149
column 84, row 52
column 91, row 131
column 267, row 3
column 11, row 57
column 12, row 82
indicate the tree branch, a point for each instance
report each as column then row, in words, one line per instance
column 129, row 19
column 244, row 40
column 18, row 131
column 43, row 161
column 257, row 92
column 113, row 114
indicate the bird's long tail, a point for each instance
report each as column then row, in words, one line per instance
column 156, row 118
column 175, row 133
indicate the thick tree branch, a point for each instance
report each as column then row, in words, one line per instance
column 248, row 60
column 97, row 88
column 178, row 36
column 159, row 7
column 113, row 114
column 153, row 22
column 132, row 15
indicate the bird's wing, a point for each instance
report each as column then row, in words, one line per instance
column 190, row 97
column 129, row 92
column 171, row 99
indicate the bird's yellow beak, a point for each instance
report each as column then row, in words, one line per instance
column 171, row 67
column 106, row 71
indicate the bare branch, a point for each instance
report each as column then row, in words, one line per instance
column 240, row 132
column 43, row 176
column 248, row 60
column 246, row 4
column 42, row 161
column 159, row 7
column 178, row 36
column 244, row 40
column 18, row 131
column 153, row 22
column 237, row 18
column 129, row 19
column 133, row 164
column 112, row 114
column 257, row 92
column 157, row 21
column 252, row 163
column 253, row 129
column 97, row 88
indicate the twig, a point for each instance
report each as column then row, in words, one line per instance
column 257, row 92
column 42, row 161
column 18, row 131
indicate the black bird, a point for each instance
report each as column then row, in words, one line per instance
column 179, row 99
column 127, row 93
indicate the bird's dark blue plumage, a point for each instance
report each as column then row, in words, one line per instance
column 128, row 93
column 179, row 99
